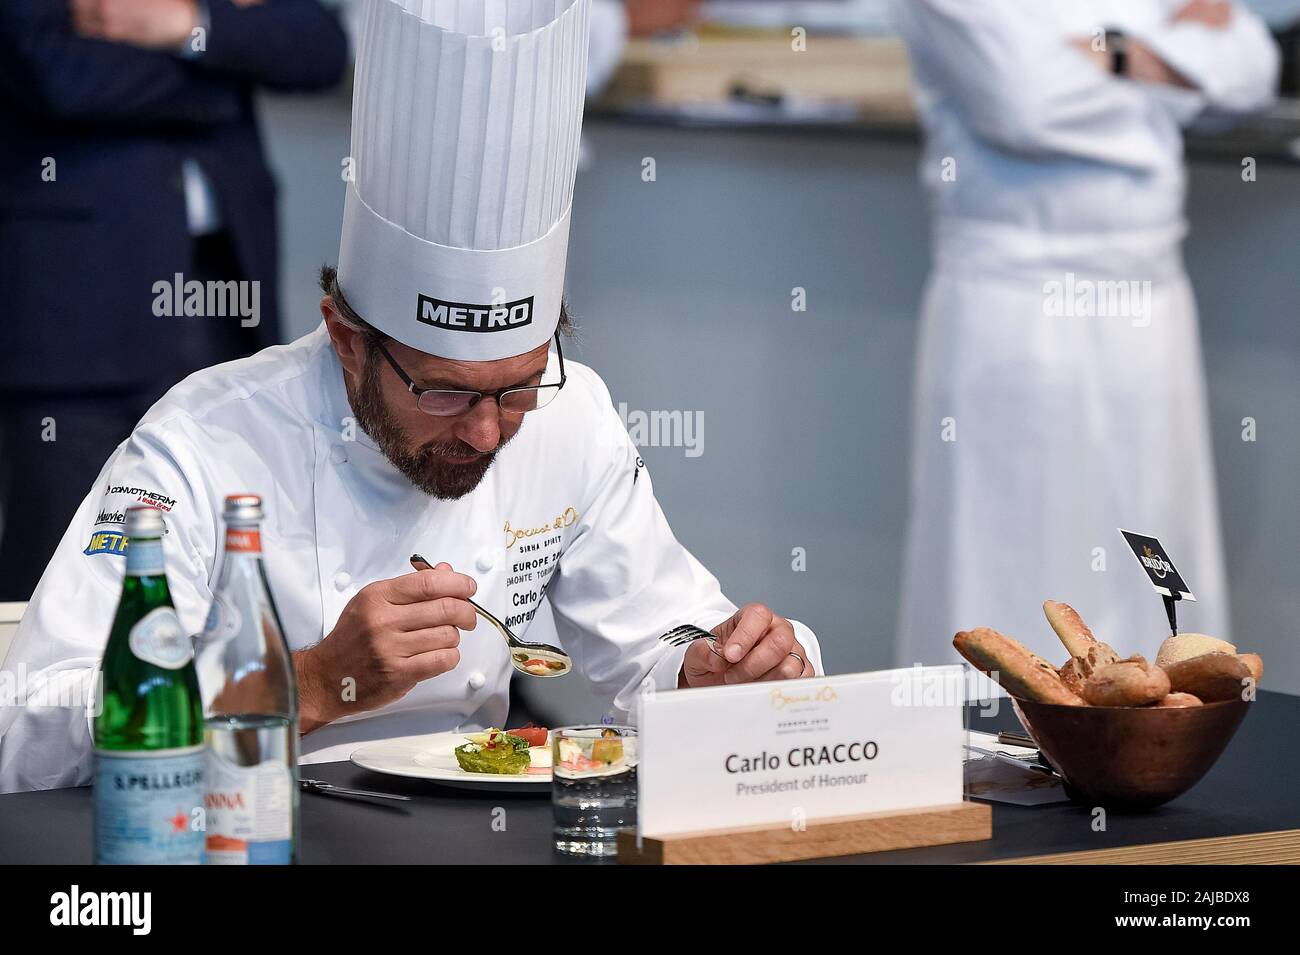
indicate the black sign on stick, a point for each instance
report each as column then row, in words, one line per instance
column 1165, row 578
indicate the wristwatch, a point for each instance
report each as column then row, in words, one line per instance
column 1117, row 47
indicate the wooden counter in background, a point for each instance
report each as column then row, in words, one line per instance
column 870, row 73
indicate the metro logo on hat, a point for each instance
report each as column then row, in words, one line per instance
column 466, row 116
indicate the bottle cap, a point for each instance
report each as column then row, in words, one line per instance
column 243, row 509
column 144, row 521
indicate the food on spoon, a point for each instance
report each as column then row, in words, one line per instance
column 495, row 752
column 1131, row 682
column 1211, row 676
column 539, row 666
column 1177, row 700
column 1023, row 674
column 1185, row 646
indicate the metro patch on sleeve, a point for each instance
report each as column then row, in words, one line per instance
column 106, row 542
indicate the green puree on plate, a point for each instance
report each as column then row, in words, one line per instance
column 493, row 752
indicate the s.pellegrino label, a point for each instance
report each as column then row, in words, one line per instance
column 250, row 706
column 148, row 807
column 148, row 731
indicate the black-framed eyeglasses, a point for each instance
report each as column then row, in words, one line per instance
column 446, row 403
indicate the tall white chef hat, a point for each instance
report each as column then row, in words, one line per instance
column 466, row 116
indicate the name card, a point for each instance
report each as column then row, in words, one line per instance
column 790, row 752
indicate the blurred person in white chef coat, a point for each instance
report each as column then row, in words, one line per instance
column 1060, row 391
column 428, row 414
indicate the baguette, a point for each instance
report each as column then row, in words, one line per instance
column 1211, row 676
column 1131, row 682
column 1023, row 674
column 1069, row 626
column 1078, row 639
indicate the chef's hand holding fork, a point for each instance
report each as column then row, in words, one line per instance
column 752, row 645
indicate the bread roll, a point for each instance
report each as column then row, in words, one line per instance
column 1211, row 676
column 1178, row 700
column 1184, row 646
column 1071, row 676
column 1098, row 655
column 1023, row 674
column 1132, row 682
column 1254, row 663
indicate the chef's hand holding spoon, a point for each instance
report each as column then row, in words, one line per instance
column 391, row 635
column 530, row 659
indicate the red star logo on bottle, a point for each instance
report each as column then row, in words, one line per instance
column 178, row 822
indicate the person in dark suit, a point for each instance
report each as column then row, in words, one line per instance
column 132, row 169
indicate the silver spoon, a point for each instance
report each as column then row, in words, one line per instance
column 553, row 660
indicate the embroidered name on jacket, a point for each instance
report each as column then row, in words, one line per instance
column 532, row 556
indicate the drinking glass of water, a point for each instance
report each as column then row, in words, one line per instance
column 593, row 793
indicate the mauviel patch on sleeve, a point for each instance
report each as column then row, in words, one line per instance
column 106, row 535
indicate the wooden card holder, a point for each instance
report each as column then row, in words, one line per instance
column 838, row 836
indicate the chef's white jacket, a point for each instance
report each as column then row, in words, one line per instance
column 1038, row 434
column 566, row 514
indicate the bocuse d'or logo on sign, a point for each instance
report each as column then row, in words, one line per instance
column 1155, row 563
column 779, row 699
column 462, row 317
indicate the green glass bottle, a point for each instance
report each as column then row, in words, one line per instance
column 149, row 751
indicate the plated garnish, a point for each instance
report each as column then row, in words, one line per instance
column 505, row 752
column 494, row 751
column 536, row 735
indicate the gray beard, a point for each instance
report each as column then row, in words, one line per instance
column 425, row 467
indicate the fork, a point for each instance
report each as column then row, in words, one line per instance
column 689, row 633
column 330, row 789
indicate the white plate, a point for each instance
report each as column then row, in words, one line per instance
column 431, row 757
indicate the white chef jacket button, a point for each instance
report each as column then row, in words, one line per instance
column 476, row 680
column 486, row 561
column 338, row 454
column 341, row 580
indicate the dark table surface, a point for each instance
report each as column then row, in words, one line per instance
column 1251, row 789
